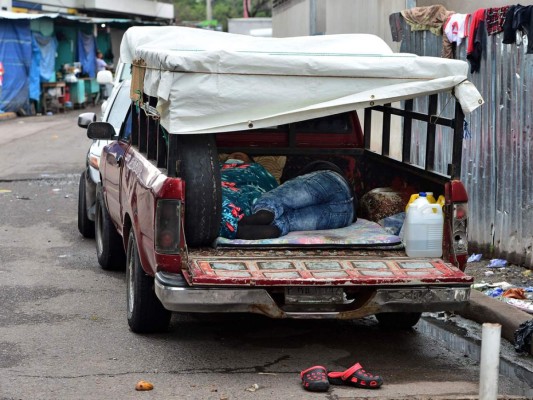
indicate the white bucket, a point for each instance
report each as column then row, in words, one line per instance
column 423, row 230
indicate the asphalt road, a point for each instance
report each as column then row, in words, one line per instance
column 63, row 329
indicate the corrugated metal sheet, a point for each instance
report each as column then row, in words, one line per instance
column 497, row 167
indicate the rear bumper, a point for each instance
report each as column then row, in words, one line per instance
column 175, row 295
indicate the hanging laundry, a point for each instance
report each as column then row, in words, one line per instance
column 86, row 53
column 456, row 27
column 43, row 60
column 476, row 40
column 519, row 18
column 509, row 34
column 495, row 19
column 430, row 19
column 427, row 18
column 447, row 48
column 395, row 22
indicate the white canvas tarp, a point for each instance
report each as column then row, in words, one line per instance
column 208, row 81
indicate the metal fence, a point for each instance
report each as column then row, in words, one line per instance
column 497, row 166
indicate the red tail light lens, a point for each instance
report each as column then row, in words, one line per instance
column 167, row 226
column 460, row 211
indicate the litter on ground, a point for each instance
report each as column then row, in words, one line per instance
column 474, row 258
column 520, row 297
column 497, row 263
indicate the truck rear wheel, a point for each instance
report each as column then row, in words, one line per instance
column 146, row 314
column 399, row 320
column 109, row 246
column 199, row 167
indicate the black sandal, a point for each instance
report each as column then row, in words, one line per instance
column 315, row 379
column 355, row 376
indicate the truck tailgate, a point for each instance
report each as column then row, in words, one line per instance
column 287, row 268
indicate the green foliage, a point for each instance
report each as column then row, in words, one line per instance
column 222, row 10
column 189, row 10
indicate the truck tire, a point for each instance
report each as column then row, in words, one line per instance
column 399, row 320
column 109, row 246
column 199, row 167
column 85, row 225
column 145, row 312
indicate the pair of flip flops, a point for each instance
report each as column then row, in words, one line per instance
column 317, row 379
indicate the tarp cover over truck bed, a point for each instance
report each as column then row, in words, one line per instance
column 208, row 81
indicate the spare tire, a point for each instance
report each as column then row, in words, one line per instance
column 199, row 168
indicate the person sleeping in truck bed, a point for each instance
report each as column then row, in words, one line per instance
column 255, row 207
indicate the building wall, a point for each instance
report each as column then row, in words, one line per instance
column 363, row 16
column 300, row 17
column 291, row 19
column 244, row 26
column 5, row 5
column 153, row 9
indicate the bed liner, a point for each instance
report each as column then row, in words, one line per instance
column 360, row 234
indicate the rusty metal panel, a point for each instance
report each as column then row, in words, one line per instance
column 497, row 166
column 336, row 271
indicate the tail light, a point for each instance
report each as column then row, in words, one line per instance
column 167, row 226
column 460, row 223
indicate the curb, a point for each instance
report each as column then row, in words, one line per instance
column 483, row 308
column 464, row 336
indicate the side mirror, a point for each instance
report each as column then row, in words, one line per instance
column 85, row 119
column 104, row 77
column 100, row 130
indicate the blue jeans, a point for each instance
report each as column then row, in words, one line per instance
column 318, row 200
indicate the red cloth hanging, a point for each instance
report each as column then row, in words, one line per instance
column 477, row 17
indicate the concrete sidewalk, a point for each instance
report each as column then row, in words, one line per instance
column 483, row 308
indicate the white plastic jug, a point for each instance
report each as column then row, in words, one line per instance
column 423, row 231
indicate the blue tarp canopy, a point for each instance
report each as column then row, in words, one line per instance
column 15, row 55
column 29, row 59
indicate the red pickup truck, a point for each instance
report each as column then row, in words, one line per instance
column 159, row 212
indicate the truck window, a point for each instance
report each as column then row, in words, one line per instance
column 119, row 108
column 127, row 127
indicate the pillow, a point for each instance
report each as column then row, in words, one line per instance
column 273, row 164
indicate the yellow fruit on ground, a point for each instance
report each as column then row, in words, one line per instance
column 144, row 385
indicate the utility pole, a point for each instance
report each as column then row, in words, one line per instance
column 208, row 11
column 312, row 17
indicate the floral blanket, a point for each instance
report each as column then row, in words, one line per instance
column 360, row 234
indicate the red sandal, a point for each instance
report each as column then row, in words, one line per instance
column 315, row 379
column 355, row 376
